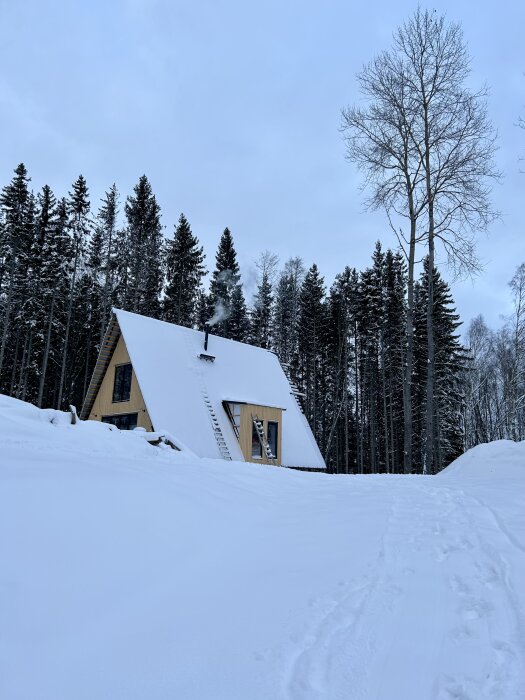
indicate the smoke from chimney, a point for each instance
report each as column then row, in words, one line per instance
column 220, row 313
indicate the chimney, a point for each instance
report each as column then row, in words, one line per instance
column 206, row 333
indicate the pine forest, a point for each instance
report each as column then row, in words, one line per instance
column 65, row 264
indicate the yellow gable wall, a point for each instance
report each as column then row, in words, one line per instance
column 104, row 405
column 264, row 414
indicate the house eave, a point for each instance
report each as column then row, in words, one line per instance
column 109, row 343
column 244, row 402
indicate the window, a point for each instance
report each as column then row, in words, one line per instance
column 122, row 385
column 256, row 443
column 273, row 432
column 234, row 413
column 125, row 421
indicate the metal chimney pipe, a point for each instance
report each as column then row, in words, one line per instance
column 206, row 333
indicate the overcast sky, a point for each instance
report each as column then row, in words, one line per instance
column 232, row 110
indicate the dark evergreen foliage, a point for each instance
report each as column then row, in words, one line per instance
column 229, row 316
column 340, row 440
column 286, row 316
column 312, row 330
column 450, row 365
column 141, row 266
column 184, row 272
column 17, row 212
column 107, row 232
column 80, row 228
column 263, row 302
column 261, row 316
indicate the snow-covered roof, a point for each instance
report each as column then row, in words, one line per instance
column 174, row 382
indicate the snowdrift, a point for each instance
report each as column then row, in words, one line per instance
column 131, row 571
column 489, row 460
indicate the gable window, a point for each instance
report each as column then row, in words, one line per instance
column 273, row 433
column 256, row 442
column 122, row 384
column 125, row 421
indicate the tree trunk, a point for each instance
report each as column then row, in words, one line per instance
column 15, row 361
column 428, row 460
column 87, row 375
column 106, row 308
column 8, row 309
column 22, row 368
column 409, row 357
column 45, row 357
column 385, row 411
column 26, row 366
column 345, row 385
column 68, row 326
column 358, row 413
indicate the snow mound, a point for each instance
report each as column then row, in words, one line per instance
column 128, row 571
column 490, row 459
column 26, row 427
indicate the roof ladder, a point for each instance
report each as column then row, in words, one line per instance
column 262, row 438
column 219, row 437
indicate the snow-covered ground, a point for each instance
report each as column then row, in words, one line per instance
column 134, row 572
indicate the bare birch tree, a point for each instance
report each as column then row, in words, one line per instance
column 380, row 140
column 427, row 148
column 456, row 142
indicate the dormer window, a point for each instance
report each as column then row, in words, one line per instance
column 234, row 413
column 122, row 383
column 258, row 430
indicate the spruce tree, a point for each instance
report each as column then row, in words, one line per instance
column 393, row 348
column 261, row 314
column 285, row 330
column 283, row 323
column 106, row 226
column 16, row 214
column 80, row 226
column 90, row 313
column 371, row 309
column 26, row 306
column 340, row 429
column 450, row 363
column 262, row 310
column 204, row 309
column 238, row 322
column 57, row 257
column 356, row 438
column 312, row 327
column 143, row 276
column 229, row 315
column 184, row 272
column 35, row 308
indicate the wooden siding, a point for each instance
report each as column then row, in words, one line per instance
column 265, row 414
column 104, row 406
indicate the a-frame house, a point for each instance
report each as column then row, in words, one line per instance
column 218, row 397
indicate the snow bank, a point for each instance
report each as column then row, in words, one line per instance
column 488, row 459
column 129, row 571
column 26, row 426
